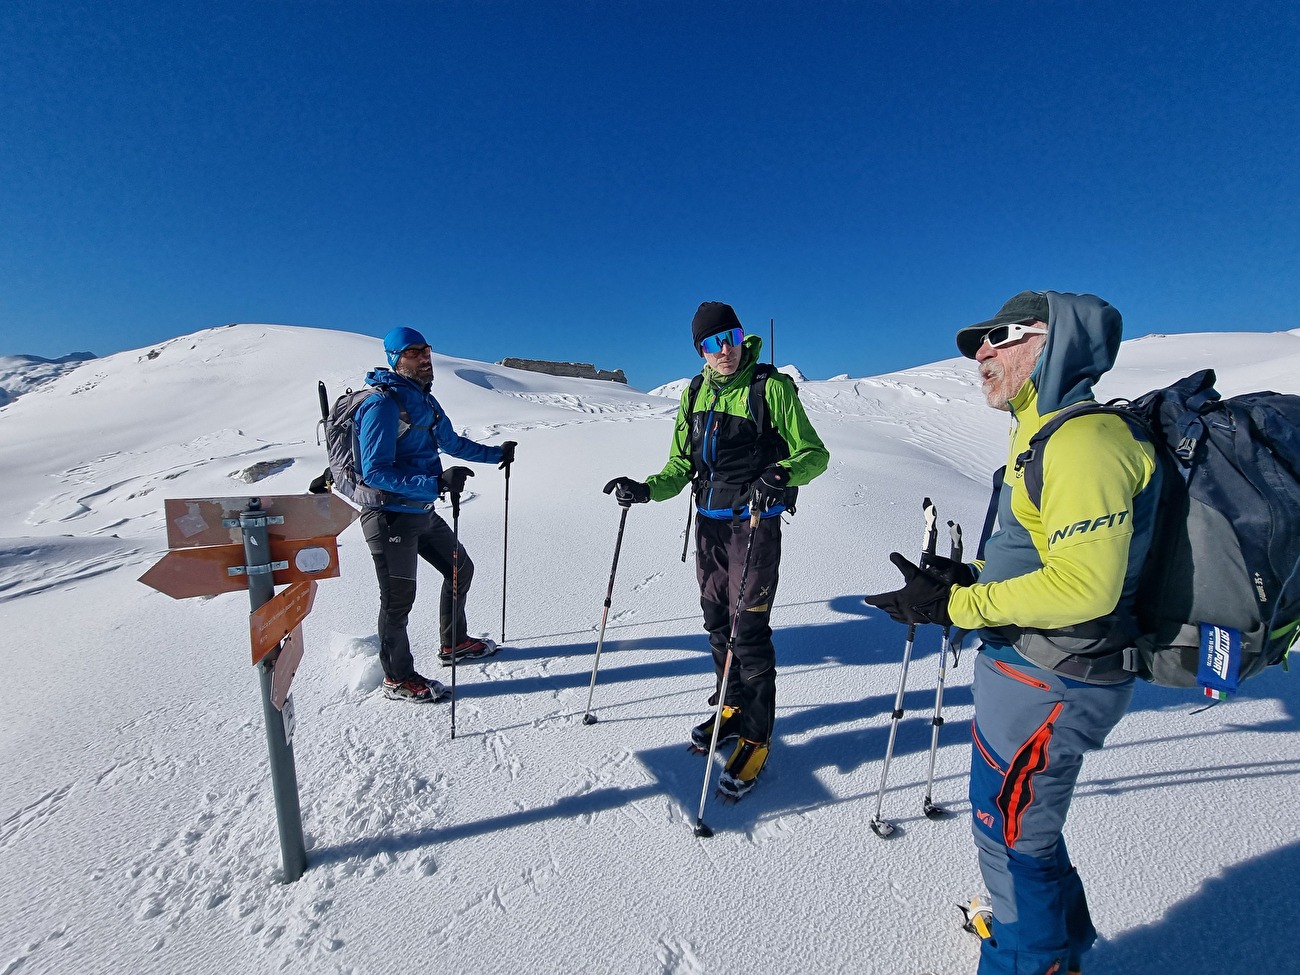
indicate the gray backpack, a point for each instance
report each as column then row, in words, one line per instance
column 342, row 445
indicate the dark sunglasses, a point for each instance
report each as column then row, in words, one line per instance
column 416, row 351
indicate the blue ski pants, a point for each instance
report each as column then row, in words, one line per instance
column 1030, row 733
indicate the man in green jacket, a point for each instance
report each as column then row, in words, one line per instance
column 738, row 464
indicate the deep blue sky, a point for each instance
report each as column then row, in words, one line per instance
column 568, row 180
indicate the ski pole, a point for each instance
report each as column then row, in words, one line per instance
column 879, row 826
column 931, row 810
column 455, row 598
column 505, row 554
column 686, row 541
column 587, row 716
column 700, row 828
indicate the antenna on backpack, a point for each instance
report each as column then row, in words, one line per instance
column 771, row 339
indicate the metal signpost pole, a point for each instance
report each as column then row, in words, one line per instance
column 284, row 776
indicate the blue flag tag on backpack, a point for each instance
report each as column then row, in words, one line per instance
column 1220, row 659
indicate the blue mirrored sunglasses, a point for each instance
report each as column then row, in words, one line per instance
column 714, row 343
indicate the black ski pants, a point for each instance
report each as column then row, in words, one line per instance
column 397, row 541
column 719, row 562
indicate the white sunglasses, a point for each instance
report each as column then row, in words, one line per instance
column 1000, row 335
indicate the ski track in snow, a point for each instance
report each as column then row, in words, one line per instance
column 31, row 565
column 113, row 480
column 32, row 950
column 677, row 956
column 32, row 817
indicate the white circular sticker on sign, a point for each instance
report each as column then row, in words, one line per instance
column 315, row 559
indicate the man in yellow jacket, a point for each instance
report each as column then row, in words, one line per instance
column 1052, row 602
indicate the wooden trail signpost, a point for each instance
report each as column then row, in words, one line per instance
column 220, row 545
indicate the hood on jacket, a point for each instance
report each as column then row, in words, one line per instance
column 379, row 376
column 750, row 349
column 1083, row 336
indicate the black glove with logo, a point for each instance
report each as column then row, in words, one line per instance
column 507, row 454
column 923, row 598
column 769, row 490
column 628, row 492
column 953, row 573
column 452, row 480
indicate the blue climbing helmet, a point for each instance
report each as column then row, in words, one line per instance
column 398, row 340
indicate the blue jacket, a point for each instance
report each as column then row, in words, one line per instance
column 407, row 465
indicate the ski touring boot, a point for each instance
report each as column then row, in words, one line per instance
column 702, row 733
column 470, row 649
column 418, row 690
column 976, row 918
column 742, row 768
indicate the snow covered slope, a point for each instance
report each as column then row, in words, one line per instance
column 137, row 830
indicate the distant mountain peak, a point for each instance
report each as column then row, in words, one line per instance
column 21, row 374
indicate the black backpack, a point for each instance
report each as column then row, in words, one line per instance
column 778, row 448
column 1219, row 597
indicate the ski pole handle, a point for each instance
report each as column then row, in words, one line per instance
column 324, row 400
column 955, row 543
column 931, row 537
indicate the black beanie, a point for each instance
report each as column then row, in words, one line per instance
column 711, row 318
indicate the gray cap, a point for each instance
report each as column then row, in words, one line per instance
column 1028, row 306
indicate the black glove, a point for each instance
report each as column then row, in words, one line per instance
column 507, row 454
column 452, row 480
column 923, row 598
column 953, row 573
column 628, row 492
column 321, row 485
column 769, row 490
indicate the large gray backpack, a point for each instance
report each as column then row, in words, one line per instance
column 1219, row 598
column 343, row 447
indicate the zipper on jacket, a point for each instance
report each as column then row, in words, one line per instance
column 709, row 447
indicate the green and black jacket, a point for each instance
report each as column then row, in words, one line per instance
column 720, row 448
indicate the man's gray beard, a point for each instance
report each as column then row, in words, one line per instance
column 998, row 401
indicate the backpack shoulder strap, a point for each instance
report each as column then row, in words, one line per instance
column 693, row 390
column 403, row 418
column 758, row 395
column 1030, row 461
column 696, row 382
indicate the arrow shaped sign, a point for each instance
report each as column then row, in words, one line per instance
column 215, row 569
column 285, row 666
column 194, row 522
column 274, row 620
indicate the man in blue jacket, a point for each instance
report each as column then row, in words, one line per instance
column 400, row 435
